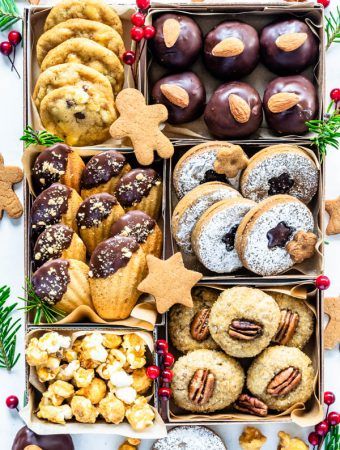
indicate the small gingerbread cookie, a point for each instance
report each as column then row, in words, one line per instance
column 9, row 201
column 333, row 209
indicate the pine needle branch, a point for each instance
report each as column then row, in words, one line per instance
column 8, row 331
column 9, row 14
column 35, row 137
column 333, row 28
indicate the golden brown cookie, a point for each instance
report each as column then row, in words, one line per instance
column 9, row 201
column 333, row 209
column 332, row 331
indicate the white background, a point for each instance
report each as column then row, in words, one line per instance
column 12, row 265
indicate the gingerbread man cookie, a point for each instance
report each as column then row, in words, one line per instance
column 9, row 201
column 140, row 123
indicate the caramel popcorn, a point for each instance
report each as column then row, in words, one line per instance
column 116, row 359
column 70, row 355
column 252, row 439
column 83, row 377
column 132, row 342
column 140, row 381
column 126, row 394
column 104, row 371
column 55, row 414
column 49, row 371
column 288, row 443
column 95, row 392
column 140, row 415
column 112, row 409
column 120, row 378
column 66, row 372
column 34, row 355
column 112, row 340
column 53, row 342
column 83, row 409
column 135, row 361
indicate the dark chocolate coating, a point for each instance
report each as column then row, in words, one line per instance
column 135, row 185
column 50, row 166
column 135, row 224
column 49, row 206
column 291, row 121
column 280, row 61
column 234, row 67
column 51, row 243
column 195, row 89
column 101, row 168
column 95, row 209
column 186, row 49
column 50, row 280
column 218, row 117
column 26, row 437
column 111, row 255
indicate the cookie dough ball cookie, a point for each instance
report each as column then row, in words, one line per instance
column 188, row 327
column 297, row 321
column 206, row 381
column 280, row 169
column 191, row 207
column 243, row 321
column 190, row 438
column 281, row 376
column 266, row 230
column 213, row 237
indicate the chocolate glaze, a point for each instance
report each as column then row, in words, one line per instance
column 51, row 279
column 95, row 209
column 51, row 243
column 193, row 86
column 186, row 49
column 101, row 168
column 218, row 117
column 111, row 255
column 286, row 63
column 232, row 68
column 50, row 166
column 49, row 206
column 25, row 437
column 135, row 185
column 135, row 224
column 293, row 120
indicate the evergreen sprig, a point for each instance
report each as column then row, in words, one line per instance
column 333, row 27
column 332, row 440
column 326, row 131
column 9, row 14
column 41, row 309
column 8, row 331
column 35, row 137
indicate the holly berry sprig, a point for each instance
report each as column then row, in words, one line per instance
column 140, row 34
column 327, row 431
column 9, row 47
column 322, row 282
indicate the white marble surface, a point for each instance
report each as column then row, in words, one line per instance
column 12, row 266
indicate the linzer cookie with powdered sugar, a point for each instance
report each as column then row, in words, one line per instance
column 280, row 169
column 273, row 233
column 190, row 438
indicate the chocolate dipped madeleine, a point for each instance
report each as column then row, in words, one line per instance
column 26, row 439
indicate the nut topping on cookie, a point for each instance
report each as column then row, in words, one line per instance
column 282, row 101
column 281, row 184
column 175, row 94
column 279, row 235
column 228, row 48
column 201, row 386
column 284, row 382
column 302, row 246
column 245, row 330
column 288, row 323
column 239, row 108
column 199, row 329
column 251, row 405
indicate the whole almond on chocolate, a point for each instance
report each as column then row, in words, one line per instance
column 289, row 42
column 239, row 108
column 282, row 101
column 171, row 31
column 175, row 94
column 228, row 47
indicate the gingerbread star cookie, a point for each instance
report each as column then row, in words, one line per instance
column 230, row 160
column 169, row 282
column 9, row 201
column 332, row 331
column 333, row 209
column 302, row 246
column 140, row 123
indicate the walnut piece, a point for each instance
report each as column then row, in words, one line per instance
column 252, row 439
column 288, row 443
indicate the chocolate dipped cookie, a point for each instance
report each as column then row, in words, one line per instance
column 26, row 439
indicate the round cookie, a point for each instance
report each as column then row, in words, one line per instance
column 91, row 54
column 79, row 117
column 221, row 377
column 280, row 169
column 213, row 237
column 78, row 9
column 197, row 166
column 281, row 377
column 72, row 28
column 297, row 321
column 190, row 208
column 190, row 438
column 243, row 321
column 266, row 229
column 188, row 327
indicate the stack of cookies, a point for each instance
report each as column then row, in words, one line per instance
column 79, row 55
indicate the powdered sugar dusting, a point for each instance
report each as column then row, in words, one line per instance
column 190, row 438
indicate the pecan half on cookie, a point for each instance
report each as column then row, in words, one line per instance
column 284, row 382
column 201, row 386
column 288, row 323
column 252, row 405
column 246, row 330
column 199, row 326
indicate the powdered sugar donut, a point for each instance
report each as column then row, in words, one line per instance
column 265, row 230
column 197, row 166
column 280, row 169
column 190, row 208
column 214, row 234
column 190, row 438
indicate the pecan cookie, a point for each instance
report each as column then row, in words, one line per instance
column 188, row 327
column 206, row 381
column 281, row 377
column 91, row 54
column 79, row 117
column 243, row 321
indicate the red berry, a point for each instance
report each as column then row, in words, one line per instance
column 137, row 33
column 12, row 401
column 164, row 392
column 335, row 95
column 138, row 19
column 329, row 398
column 14, row 37
column 167, row 375
column 333, row 418
column 325, row 3
column 153, row 372
column 161, row 346
column 168, row 360
column 313, row 438
column 322, row 428
column 143, row 4
column 322, row 282
column 149, row 32
column 129, row 57
column 6, row 48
